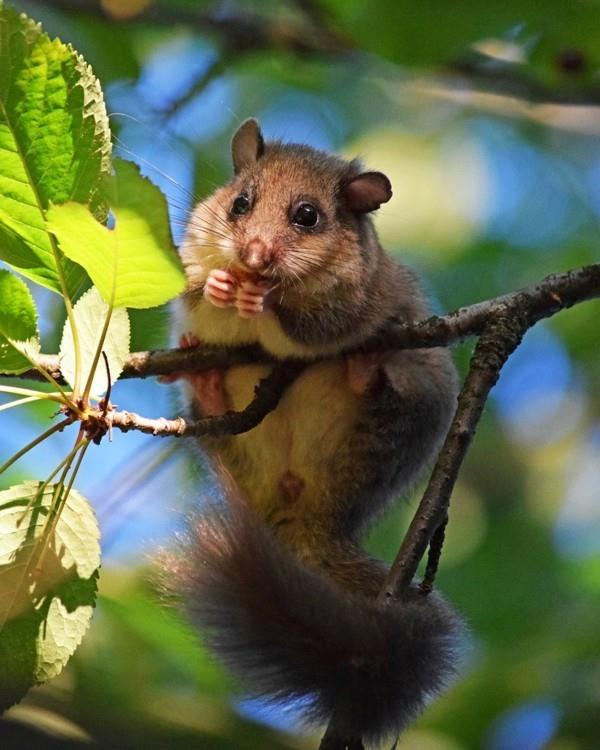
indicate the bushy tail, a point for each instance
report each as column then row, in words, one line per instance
column 291, row 633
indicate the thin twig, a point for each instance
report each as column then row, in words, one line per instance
column 266, row 397
column 433, row 557
column 497, row 342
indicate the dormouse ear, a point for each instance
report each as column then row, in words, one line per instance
column 367, row 191
column 247, row 145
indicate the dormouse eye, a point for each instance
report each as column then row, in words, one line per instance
column 241, row 205
column 306, row 215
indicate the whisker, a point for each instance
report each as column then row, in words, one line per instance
column 206, row 230
column 215, row 215
column 199, row 224
column 140, row 159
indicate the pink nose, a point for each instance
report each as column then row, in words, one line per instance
column 256, row 255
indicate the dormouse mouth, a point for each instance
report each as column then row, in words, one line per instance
column 244, row 273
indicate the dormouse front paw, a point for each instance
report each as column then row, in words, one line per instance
column 223, row 289
column 220, row 288
column 251, row 298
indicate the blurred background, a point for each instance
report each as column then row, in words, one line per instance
column 486, row 117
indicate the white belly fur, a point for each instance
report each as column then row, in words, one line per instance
column 302, row 435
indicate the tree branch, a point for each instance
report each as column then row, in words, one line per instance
column 499, row 339
column 243, row 32
column 501, row 323
column 267, row 395
column 554, row 293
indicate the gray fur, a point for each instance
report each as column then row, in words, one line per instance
column 289, row 633
column 288, row 599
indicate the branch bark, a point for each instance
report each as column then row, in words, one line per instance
column 501, row 324
column 266, row 397
column 554, row 293
column 499, row 339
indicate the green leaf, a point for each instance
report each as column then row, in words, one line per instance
column 441, row 32
column 167, row 632
column 18, row 325
column 135, row 264
column 90, row 314
column 54, row 144
column 47, row 584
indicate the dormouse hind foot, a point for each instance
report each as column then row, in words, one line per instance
column 210, row 392
column 186, row 341
column 208, row 385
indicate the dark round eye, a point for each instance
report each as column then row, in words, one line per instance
column 241, row 205
column 306, row 215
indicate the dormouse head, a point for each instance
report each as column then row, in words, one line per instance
column 296, row 214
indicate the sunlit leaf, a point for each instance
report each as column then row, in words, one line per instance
column 54, row 143
column 90, row 314
column 48, row 574
column 18, row 324
column 135, row 264
column 439, row 32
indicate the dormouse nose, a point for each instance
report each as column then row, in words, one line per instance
column 256, row 254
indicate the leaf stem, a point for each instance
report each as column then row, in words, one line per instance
column 71, row 318
column 55, row 251
column 19, row 402
column 50, row 477
column 53, row 382
column 61, row 495
column 19, row 391
column 39, row 439
column 86, row 391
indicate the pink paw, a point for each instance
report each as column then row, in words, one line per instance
column 220, row 288
column 251, row 297
column 189, row 341
column 210, row 393
column 208, row 385
column 362, row 370
column 186, row 341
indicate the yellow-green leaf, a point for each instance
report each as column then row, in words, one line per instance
column 54, row 144
column 19, row 337
column 134, row 264
column 90, row 314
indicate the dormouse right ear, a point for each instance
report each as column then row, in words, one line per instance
column 247, row 145
column 366, row 192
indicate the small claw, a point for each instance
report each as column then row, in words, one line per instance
column 251, row 298
column 220, row 288
column 188, row 340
